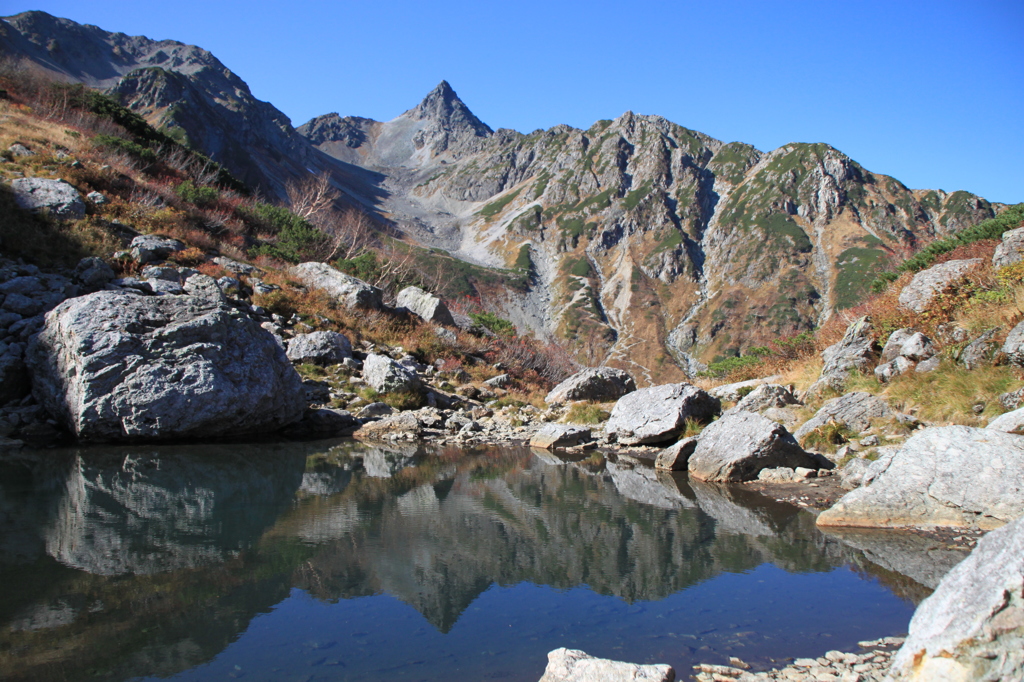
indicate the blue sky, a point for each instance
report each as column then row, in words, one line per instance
column 931, row 93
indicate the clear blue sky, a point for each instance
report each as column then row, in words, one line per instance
column 931, row 93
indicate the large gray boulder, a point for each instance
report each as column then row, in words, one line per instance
column 972, row 626
column 55, row 197
column 594, row 383
column 425, row 305
column 1013, row 347
column 559, row 436
column 319, row 348
column 1010, row 249
column 1010, row 422
column 740, row 444
column 855, row 411
column 385, row 375
column 955, row 476
column 659, row 413
column 573, row 665
column 119, row 366
column 927, row 284
column 856, row 351
column 979, row 351
column 766, row 396
column 350, row 291
column 149, row 248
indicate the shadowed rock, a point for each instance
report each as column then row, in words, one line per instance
column 349, row 291
column 55, row 197
column 596, row 383
column 739, row 445
column 425, row 305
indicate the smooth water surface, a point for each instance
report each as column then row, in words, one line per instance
column 340, row 561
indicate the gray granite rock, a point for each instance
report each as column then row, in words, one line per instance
column 319, row 348
column 385, row 375
column 972, row 626
column 425, row 305
column 499, row 381
column 116, row 366
column 374, row 410
column 855, row 351
column 559, row 436
column 929, row 365
column 400, row 424
column 894, row 344
column 955, row 476
column 918, row 294
column 349, row 291
column 766, row 396
column 54, row 197
column 853, row 410
column 979, row 351
column 658, row 414
column 675, row 457
column 594, row 384
column 93, row 272
column 573, row 665
column 1010, row 422
column 740, row 444
column 1010, row 249
column 149, row 248
column 1013, row 347
column 885, row 372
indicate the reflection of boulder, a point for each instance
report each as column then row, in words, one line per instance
column 643, row 484
column 717, row 502
column 159, row 509
column 920, row 558
column 385, row 462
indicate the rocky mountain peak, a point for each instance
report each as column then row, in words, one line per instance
column 443, row 108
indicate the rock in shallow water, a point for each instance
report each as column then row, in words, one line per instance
column 573, row 665
column 117, row 366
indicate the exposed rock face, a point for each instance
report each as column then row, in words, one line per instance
column 319, row 348
column 54, row 197
column 386, row 376
column 595, row 383
column 350, row 291
column 676, row 456
column 117, row 366
column 740, row 444
column 659, row 413
column 1013, row 347
column 573, row 665
column 425, row 305
column 559, row 436
column 925, row 285
column 946, row 476
column 853, row 410
column 766, row 396
column 972, row 626
column 1010, row 249
column 855, row 351
column 1011, row 422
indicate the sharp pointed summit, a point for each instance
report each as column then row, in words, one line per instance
column 443, row 107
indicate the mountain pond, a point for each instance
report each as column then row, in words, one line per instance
column 337, row 560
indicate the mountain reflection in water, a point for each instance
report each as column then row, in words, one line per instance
column 201, row 561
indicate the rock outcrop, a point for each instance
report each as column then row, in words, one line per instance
column 351, row 292
column 955, row 476
column 740, row 444
column 385, row 375
column 594, row 383
column 659, row 413
column 116, row 366
column 319, row 348
column 855, row 351
column 56, row 198
column 573, row 665
column 917, row 295
column 1010, row 249
column 972, row 626
column 854, row 410
column 425, row 305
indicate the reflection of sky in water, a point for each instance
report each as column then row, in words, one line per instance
column 507, row 632
column 306, row 562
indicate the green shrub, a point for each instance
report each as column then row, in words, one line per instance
column 134, row 149
column 498, row 325
column 404, row 400
column 296, row 240
column 195, row 194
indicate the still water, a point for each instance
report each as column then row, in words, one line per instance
column 341, row 561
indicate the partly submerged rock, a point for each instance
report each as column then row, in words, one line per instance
column 675, row 457
column 740, row 444
column 972, row 626
column 55, row 197
column 573, row 665
column 559, row 436
column 115, row 366
column 918, row 294
column 400, row 424
column 594, row 383
column 426, row 305
column 350, row 291
column 955, row 476
column 659, row 413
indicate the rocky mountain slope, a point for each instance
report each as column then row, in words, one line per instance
column 648, row 246
column 181, row 89
column 652, row 246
